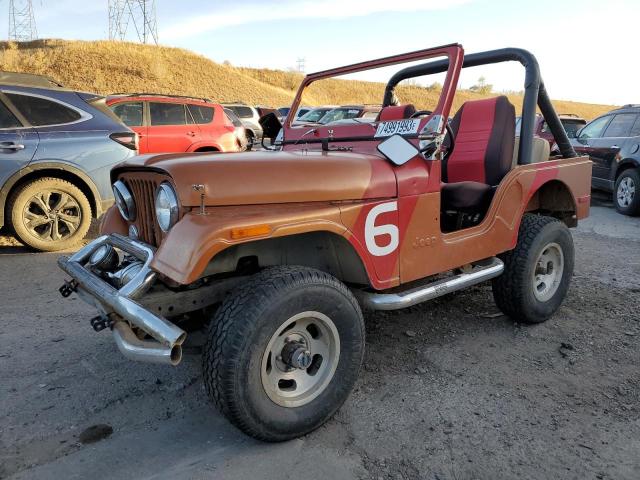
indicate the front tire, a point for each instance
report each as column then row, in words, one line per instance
column 626, row 195
column 50, row 214
column 537, row 271
column 283, row 352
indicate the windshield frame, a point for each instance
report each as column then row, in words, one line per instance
column 453, row 54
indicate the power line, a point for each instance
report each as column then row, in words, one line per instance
column 22, row 22
column 141, row 14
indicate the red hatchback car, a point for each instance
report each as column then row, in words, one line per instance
column 171, row 124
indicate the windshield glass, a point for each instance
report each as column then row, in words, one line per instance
column 340, row 114
column 314, row 115
column 572, row 127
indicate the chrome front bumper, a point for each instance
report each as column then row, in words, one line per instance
column 121, row 306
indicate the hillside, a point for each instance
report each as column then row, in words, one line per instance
column 109, row 67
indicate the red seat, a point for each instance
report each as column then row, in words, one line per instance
column 484, row 133
column 396, row 112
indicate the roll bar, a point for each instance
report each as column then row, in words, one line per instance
column 534, row 93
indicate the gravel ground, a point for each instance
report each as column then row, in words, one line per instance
column 449, row 389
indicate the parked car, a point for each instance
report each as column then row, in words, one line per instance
column 239, row 130
column 283, row 112
column 346, row 112
column 174, row 124
column 250, row 118
column 612, row 141
column 57, row 147
column 290, row 245
column 313, row 116
column 571, row 123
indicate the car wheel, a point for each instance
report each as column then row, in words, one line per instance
column 537, row 272
column 50, row 214
column 283, row 352
column 626, row 196
column 250, row 140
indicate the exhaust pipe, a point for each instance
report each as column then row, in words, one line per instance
column 144, row 350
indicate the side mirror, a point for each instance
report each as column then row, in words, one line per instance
column 398, row 149
column 271, row 126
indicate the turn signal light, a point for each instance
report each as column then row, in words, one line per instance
column 253, row 231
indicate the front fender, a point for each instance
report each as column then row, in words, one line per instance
column 196, row 239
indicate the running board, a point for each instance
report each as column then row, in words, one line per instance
column 393, row 301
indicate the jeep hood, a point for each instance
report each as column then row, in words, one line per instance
column 271, row 177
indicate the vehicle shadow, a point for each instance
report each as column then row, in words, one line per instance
column 9, row 245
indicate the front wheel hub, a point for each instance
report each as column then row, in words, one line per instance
column 300, row 359
column 296, row 355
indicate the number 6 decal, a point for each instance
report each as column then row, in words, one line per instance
column 371, row 230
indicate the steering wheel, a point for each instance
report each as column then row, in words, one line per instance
column 452, row 140
column 448, row 132
column 419, row 113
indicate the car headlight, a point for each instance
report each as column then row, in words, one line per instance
column 124, row 201
column 166, row 206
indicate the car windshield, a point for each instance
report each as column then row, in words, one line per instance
column 313, row 115
column 340, row 114
column 572, row 127
column 284, row 110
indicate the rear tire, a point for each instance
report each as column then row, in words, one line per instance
column 626, row 194
column 537, row 271
column 251, row 139
column 283, row 352
column 50, row 214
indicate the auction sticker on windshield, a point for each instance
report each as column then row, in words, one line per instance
column 401, row 127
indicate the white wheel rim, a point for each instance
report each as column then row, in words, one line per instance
column 547, row 272
column 317, row 341
column 626, row 192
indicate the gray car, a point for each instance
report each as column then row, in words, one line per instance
column 249, row 117
column 57, row 147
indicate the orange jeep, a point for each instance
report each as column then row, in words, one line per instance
column 279, row 251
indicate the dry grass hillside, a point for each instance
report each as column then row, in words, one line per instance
column 109, row 67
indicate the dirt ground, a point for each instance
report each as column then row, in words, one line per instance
column 449, row 389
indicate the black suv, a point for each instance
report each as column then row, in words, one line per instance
column 613, row 143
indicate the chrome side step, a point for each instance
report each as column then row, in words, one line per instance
column 393, row 301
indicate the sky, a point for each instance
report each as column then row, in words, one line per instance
column 586, row 49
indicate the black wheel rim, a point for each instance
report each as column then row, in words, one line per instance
column 52, row 215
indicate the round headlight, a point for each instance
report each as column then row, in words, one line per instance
column 104, row 258
column 124, row 201
column 166, row 206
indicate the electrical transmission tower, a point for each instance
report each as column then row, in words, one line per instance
column 22, row 23
column 139, row 13
column 301, row 64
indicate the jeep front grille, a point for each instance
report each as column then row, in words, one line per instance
column 144, row 196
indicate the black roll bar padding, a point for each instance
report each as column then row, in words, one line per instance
column 534, row 93
column 552, row 119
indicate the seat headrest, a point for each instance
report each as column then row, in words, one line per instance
column 396, row 112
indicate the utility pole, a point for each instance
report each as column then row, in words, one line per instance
column 22, row 22
column 139, row 13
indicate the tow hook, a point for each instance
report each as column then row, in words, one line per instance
column 68, row 288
